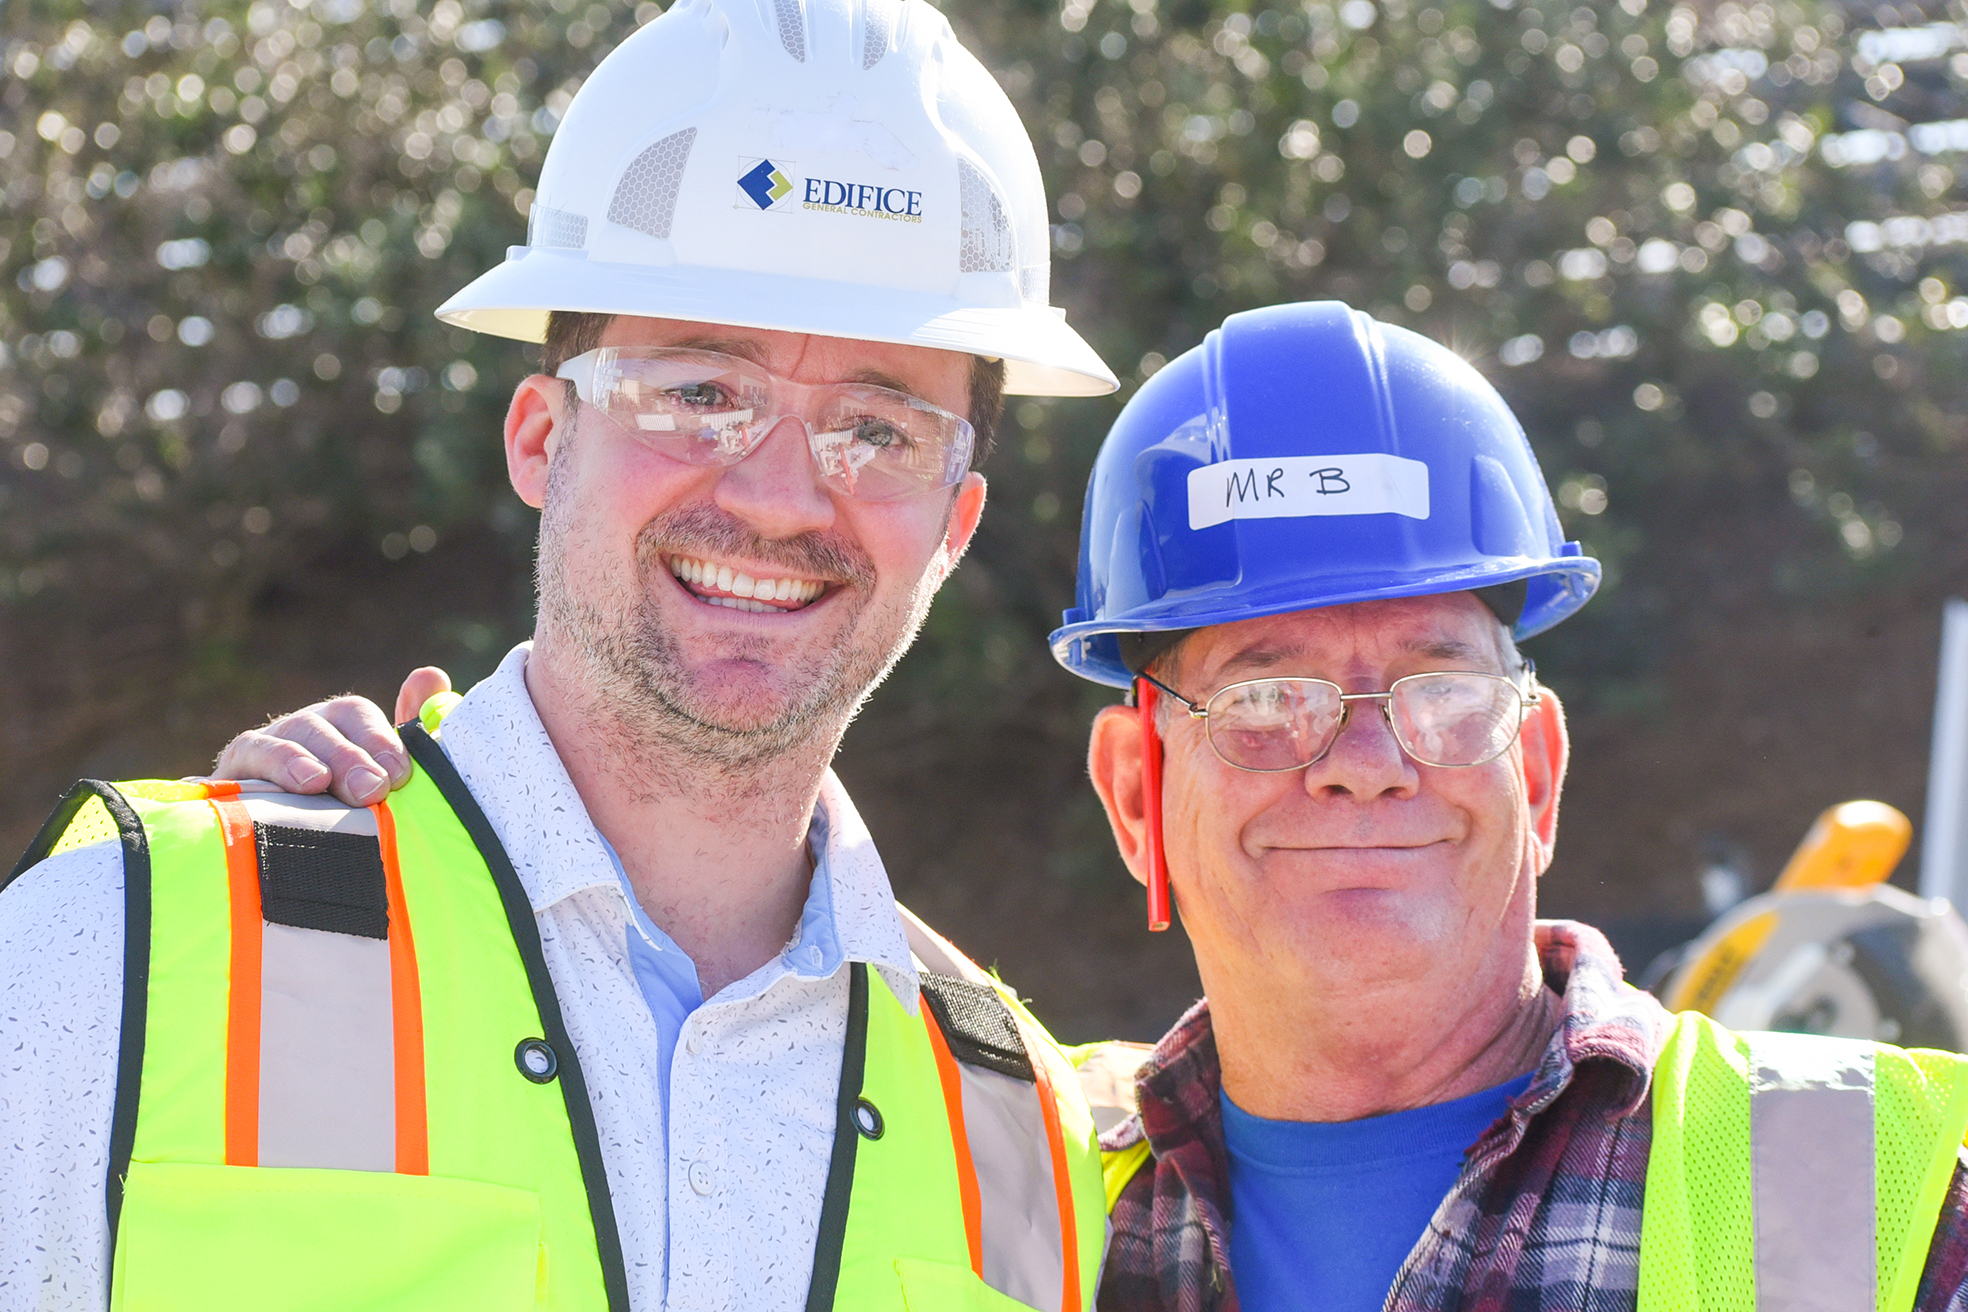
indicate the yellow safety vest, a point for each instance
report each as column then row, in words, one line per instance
column 1794, row 1173
column 344, row 1084
column 1788, row 1172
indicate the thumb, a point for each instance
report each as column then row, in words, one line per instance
column 422, row 685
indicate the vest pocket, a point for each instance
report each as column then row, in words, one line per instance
column 269, row 1239
column 945, row 1287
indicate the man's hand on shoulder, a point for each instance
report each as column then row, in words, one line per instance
column 342, row 746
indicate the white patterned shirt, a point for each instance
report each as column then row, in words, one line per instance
column 753, row 1081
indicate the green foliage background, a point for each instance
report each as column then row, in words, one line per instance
column 1711, row 252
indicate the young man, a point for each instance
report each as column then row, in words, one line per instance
column 611, row 1005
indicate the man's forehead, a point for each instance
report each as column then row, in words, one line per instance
column 1450, row 627
column 783, row 351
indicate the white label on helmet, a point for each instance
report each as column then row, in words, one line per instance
column 1291, row 487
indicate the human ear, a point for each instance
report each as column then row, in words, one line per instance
column 1545, row 748
column 965, row 510
column 1114, row 761
column 532, row 431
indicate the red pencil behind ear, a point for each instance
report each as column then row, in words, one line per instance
column 1146, row 697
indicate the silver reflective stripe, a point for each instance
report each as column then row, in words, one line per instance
column 327, row 1037
column 555, row 229
column 1023, row 1256
column 984, row 241
column 792, row 28
column 309, row 813
column 1811, row 1172
column 327, row 1051
column 646, row 197
column 877, row 16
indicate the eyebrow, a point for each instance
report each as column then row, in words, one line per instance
column 743, row 348
column 1268, row 656
column 1259, row 658
column 1444, row 649
column 746, row 349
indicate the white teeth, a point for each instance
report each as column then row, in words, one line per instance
column 747, row 592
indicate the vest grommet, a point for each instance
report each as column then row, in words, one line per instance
column 537, row 1060
column 867, row 1119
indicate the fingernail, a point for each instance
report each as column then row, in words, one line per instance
column 304, row 775
column 362, row 781
column 397, row 764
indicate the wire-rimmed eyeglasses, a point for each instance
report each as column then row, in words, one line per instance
column 1448, row 718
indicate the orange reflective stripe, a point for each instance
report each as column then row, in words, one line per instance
column 221, row 788
column 1062, row 1187
column 952, row 1081
column 407, row 1011
column 242, row 1075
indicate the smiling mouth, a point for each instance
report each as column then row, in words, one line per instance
column 735, row 589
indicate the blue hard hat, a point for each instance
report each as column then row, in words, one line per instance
column 1307, row 455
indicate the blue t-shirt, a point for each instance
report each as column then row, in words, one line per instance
column 1323, row 1214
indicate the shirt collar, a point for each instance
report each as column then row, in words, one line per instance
column 501, row 749
column 1604, row 1019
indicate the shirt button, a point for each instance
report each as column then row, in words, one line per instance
column 815, row 957
column 700, row 1177
column 694, row 1044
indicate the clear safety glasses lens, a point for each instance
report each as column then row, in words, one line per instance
column 707, row 408
column 1449, row 719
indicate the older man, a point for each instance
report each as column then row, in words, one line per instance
column 1309, row 546
column 610, row 1006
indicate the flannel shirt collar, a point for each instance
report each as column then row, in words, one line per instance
column 1604, row 1020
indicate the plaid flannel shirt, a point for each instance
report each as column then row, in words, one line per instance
column 1545, row 1216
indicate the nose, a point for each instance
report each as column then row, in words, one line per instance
column 1365, row 761
column 776, row 489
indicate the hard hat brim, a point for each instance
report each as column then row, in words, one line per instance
column 1043, row 356
column 1089, row 648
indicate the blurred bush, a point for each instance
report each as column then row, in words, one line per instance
column 1712, row 254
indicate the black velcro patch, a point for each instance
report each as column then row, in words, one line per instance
column 977, row 1025
column 314, row 879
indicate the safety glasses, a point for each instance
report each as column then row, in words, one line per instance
column 1450, row 718
column 707, row 408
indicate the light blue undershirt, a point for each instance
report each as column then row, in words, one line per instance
column 1323, row 1214
column 668, row 977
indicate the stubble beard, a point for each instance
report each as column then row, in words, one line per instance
column 634, row 673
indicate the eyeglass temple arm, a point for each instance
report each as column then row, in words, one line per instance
column 580, row 371
column 1147, row 695
column 1195, row 710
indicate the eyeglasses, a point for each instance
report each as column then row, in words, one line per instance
column 1452, row 718
column 707, row 408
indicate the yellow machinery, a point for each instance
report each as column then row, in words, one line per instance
column 1832, row 948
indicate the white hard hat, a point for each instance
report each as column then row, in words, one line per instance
column 841, row 167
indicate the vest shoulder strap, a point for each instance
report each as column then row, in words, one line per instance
column 1794, row 1171
column 1119, row 1167
column 978, row 1025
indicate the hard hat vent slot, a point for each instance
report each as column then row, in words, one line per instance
column 555, row 229
column 874, row 32
column 986, row 243
column 792, row 28
column 646, row 197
